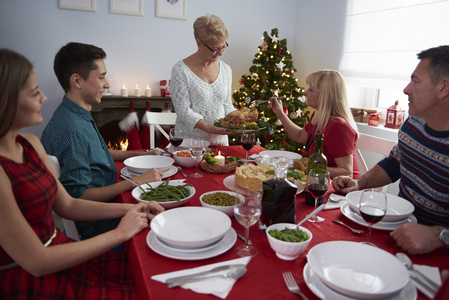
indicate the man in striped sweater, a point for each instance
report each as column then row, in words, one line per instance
column 421, row 157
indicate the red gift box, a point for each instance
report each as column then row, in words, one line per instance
column 374, row 119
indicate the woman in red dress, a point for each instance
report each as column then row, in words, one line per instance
column 36, row 260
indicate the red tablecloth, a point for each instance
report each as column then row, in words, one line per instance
column 263, row 279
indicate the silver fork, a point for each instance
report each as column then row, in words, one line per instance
column 292, row 285
column 257, row 102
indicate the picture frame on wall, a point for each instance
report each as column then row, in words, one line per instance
column 83, row 5
column 126, row 7
column 172, row 9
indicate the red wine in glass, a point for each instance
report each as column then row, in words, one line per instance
column 248, row 145
column 317, row 190
column 176, row 141
column 371, row 214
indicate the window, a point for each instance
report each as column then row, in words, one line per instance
column 382, row 39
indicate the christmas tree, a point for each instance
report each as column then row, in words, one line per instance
column 272, row 75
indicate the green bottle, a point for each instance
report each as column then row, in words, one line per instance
column 316, row 161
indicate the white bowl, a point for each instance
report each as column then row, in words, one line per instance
column 143, row 163
column 287, row 250
column 229, row 210
column 185, row 162
column 280, row 153
column 190, row 227
column 136, row 192
column 357, row 270
column 397, row 208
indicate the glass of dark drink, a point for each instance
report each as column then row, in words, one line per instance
column 318, row 182
column 372, row 207
column 248, row 140
column 176, row 137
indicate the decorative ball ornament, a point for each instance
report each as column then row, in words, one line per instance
column 247, row 100
column 278, row 123
column 293, row 115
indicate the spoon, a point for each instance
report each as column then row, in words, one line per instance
column 182, row 172
column 409, row 265
column 235, row 271
column 355, row 231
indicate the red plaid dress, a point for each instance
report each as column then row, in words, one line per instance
column 107, row 276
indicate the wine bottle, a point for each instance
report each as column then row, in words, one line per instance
column 316, row 161
column 279, row 194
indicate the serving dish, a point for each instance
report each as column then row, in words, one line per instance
column 137, row 192
column 143, row 163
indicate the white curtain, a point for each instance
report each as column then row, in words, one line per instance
column 383, row 37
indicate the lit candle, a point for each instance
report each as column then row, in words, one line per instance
column 220, row 159
column 148, row 91
column 137, row 91
column 124, row 91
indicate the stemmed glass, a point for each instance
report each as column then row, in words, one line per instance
column 247, row 210
column 372, row 207
column 197, row 149
column 248, row 140
column 176, row 137
column 318, row 182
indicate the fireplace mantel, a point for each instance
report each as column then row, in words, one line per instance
column 113, row 109
column 117, row 107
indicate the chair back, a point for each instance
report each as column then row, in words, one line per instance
column 69, row 225
column 372, row 144
column 155, row 120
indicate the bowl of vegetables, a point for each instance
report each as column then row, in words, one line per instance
column 167, row 193
column 219, row 200
column 184, row 159
column 288, row 243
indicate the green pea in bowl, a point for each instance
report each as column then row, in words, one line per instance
column 164, row 188
column 219, row 200
column 290, row 249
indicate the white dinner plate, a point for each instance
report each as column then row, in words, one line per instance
column 170, row 172
column 222, row 246
column 358, row 270
column 280, row 153
column 352, row 215
column 188, row 250
column 229, row 182
column 137, row 192
column 322, row 291
column 397, row 208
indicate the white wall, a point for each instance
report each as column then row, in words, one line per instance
column 141, row 50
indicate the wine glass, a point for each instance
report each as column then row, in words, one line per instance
column 248, row 140
column 372, row 207
column 176, row 137
column 197, row 149
column 247, row 211
column 318, row 181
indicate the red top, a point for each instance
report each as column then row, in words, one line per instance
column 339, row 140
column 108, row 276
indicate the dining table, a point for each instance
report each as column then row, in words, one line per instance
column 263, row 279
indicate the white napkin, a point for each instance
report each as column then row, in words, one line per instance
column 432, row 273
column 218, row 286
column 334, row 205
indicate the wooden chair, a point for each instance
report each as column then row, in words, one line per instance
column 69, row 225
column 155, row 119
column 372, row 144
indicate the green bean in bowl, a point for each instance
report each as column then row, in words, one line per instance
column 219, row 200
column 168, row 193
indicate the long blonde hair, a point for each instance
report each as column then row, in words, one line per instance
column 333, row 101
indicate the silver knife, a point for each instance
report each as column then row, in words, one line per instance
column 175, row 281
column 320, row 208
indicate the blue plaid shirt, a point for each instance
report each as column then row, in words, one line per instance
column 73, row 137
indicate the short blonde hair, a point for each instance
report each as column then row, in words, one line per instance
column 333, row 101
column 210, row 28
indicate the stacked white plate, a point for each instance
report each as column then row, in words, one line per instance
column 399, row 211
column 191, row 233
column 349, row 270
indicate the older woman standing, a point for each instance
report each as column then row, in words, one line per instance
column 201, row 84
column 333, row 118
